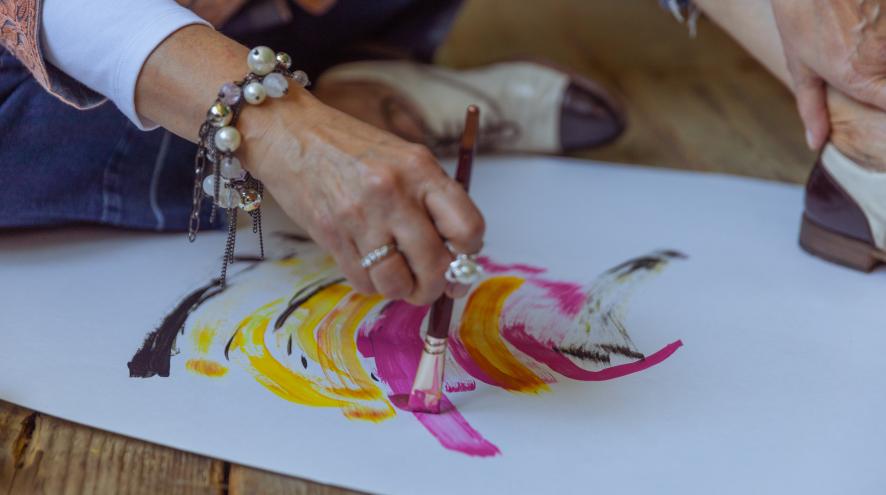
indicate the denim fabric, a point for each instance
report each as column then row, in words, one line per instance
column 60, row 165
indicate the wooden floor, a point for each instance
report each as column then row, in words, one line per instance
column 697, row 104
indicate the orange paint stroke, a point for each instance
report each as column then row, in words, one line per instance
column 250, row 340
column 338, row 348
column 479, row 334
column 302, row 389
column 206, row 367
column 312, row 312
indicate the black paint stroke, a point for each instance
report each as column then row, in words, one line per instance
column 600, row 353
column 290, row 236
column 153, row 356
column 609, row 315
column 302, row 296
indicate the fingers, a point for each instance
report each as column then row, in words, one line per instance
column 391, row 276
column 348, row 259
column 425, row 252
column 455, row 216
column 811, row 93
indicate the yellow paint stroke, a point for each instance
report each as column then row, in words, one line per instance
column 206, row 367
column 307, row 273
column 315, row 310
column 250, row 340
column 479, row 333
column 203, row 338
column 338, row 348
column 301, row 389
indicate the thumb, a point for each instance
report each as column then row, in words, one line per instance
column 811, row 94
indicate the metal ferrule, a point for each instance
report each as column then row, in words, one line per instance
column 427, row 390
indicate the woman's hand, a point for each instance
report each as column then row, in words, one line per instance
column 837, row 42
column 355, row 188
column 352, row 186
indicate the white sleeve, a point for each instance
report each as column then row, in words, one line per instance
column 104, row 43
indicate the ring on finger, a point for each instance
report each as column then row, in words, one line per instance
column 377, row 255
column 464, row 269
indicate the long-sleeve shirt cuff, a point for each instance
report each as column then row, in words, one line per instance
column 105, row 45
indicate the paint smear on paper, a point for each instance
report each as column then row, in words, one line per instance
column 203, row 338
column 206, row 367
column 315, row 342
column 481, row 350
column 396, row 345
column 361, row 400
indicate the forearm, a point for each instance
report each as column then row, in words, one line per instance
column 180, row 80
column 752, row 24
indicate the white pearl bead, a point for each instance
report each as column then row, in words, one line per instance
column 261, row 60
column 209, row 185
column 254, row 93
column 275, row 85
column 228, row 198
column 231, row 168
column 301, row 78
column 227, row 139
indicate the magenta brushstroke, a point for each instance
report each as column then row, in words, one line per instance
column 544, row 352
column 394, row 341
column 461, row 387
column 492, row 267
column 570, row 297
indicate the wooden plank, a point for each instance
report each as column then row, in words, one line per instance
column 42, row 454
column 248, row 481
column 16, row 427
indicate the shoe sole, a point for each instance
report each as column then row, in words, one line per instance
column 838, row 248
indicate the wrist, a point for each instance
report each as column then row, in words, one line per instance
column 272, row 135
column 179, row 80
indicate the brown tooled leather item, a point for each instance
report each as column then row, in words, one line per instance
column 20, row 28
column 831, row 207
column 19, row 24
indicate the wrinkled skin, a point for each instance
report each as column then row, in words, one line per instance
column 354, row 187
column 351, row 186
column 841, row 43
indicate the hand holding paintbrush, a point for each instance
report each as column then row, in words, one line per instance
column 427, row 388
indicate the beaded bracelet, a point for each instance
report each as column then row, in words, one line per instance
column 230, row 186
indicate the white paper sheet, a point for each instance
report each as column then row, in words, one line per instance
column 779, row 387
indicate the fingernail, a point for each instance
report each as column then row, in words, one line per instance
column 810, row 140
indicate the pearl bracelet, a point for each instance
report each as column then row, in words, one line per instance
column 225, row 181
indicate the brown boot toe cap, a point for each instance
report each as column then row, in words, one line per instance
column 588, row 117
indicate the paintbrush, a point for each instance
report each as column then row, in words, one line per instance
column 427, row 389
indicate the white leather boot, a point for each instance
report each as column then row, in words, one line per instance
column 524, row 106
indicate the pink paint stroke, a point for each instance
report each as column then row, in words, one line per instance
column 461, row 387
column 492, row 267
column 518, row 337
column 570, row 297
column 394, row 341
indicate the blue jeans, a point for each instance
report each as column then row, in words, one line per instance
column 59, row 165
